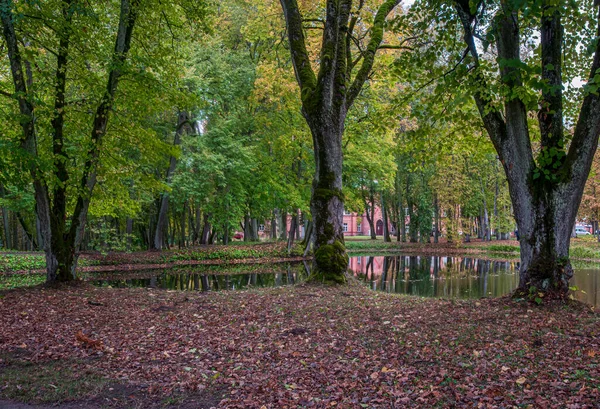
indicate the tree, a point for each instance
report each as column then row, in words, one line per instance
column 545, row 192
column 67, row 59
column 326, row 99
column 523, row 90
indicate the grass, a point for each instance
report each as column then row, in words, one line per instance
column 502, row 248
column 11, row 262
column 8, row 282
column 584, row 252
column 227, row 254
column 370, row 244
column 53, row 381
column 17, row 261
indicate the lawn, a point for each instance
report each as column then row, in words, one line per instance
column 297, row 346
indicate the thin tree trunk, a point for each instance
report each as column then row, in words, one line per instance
column 292, row 235
column 274, row 224
column 247, row 228
column 436, row 209
column 386, row 233
column 254, row 224
column 183, row 124
column 204, row 238
column 129, row 233
column 283, row 226
column 370, row 213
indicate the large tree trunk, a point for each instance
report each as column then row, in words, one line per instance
column 545, row 238
column 327, row 205
column 326, row 98
column 545, row 196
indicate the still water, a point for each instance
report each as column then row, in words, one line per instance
column 202, row 278
column 459, row 277
column 425, row 276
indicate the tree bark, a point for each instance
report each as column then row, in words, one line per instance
column 183, row 124
column 61, row 241
column 283, row 235
column 370, row 213
column 545, row 198
column 386, row 233
column 274, row 224
column 292, row 235
column 436, row 209
column 204, row 237
column 326, row 98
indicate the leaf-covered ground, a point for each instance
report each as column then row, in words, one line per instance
column 301, row 346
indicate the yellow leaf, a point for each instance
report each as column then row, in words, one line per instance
column 521, row 380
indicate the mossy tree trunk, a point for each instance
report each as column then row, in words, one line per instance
column 326, row 98
column 545, row 193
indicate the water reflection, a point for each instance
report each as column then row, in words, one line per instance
column 426, row 276
column 204, row 279
column 461, row 277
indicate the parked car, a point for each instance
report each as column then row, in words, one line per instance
column 580, row 231
column 238, row 236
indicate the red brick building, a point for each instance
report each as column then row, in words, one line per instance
column 354, row 225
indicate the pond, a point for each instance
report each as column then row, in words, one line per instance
column 425, row 276
column 208, row 278
column 458, row 277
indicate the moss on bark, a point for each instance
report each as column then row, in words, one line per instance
column 330, row 264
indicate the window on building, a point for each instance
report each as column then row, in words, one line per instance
column 345, row 227
column 358, row 227
column 347, row 213
column 358, row 259
column 261, row 227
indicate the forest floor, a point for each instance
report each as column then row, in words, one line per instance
column 291, row 347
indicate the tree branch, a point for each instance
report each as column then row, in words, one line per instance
column 550, row 116
column 585, row 137
column 369, row 54
column 127, row 19
column 304, row 73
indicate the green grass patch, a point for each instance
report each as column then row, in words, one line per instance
column 48, row 382
column 20, row 280
column 370, row 244
column 227, row 254
column 502, row 248
column 10, row 262
column 584, row 252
